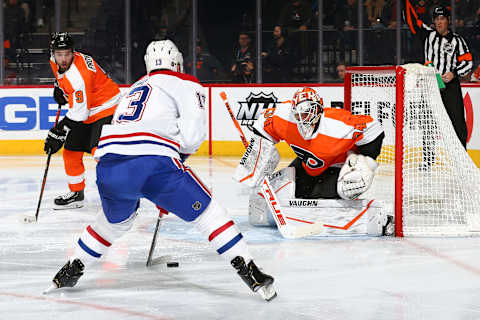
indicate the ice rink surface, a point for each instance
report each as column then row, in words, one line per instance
column 316, row 278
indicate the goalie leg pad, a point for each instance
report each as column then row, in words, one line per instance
column 283, row 182
column 356, row 176
column 260, row 159
column 342, row 217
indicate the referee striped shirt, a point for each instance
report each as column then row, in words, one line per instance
column 447, row 53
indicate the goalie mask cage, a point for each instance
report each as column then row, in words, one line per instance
column 424, row 172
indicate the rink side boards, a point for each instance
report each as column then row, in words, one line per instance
column 27, row 112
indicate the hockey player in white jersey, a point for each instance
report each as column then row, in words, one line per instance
column 159, row 123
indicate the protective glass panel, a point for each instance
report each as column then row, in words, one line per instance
column 226, row 42
column 26, row 37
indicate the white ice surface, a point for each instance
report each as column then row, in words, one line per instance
column 316, row 278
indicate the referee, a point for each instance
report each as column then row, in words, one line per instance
column 450, row 56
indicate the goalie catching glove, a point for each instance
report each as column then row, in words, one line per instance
column 55, row 140
column 356, row 176
column 258, row 161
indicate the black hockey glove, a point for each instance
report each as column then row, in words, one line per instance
column 55, row 140
column 59, row 95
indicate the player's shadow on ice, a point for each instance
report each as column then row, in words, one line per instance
column 163, row 280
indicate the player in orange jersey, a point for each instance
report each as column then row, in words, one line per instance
column 92, row 98
column 336, row 150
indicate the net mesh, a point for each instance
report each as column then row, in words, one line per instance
column 441, row 184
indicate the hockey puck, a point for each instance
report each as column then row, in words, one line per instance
column 172, row 264
column 27, row 219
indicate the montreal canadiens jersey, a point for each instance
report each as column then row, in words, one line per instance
column 163, row 113
column 338, row 132
column 92, row 95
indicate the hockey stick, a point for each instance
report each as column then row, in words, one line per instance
column 30, row 219
column 154, row 240
column 287, row 230
column 166, row 259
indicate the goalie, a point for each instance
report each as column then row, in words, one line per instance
column 336, row 153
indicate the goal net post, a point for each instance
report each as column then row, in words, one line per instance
column 424, row 172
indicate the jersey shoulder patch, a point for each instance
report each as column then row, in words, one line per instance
column 89, row 62
column 278, row 125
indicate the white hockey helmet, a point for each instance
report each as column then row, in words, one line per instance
column 307, row 109
column 163, row 54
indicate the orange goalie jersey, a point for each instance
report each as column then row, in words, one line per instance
column 339, row 131
column 92, row 95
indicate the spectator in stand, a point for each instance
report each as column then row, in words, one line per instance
column 475, row 35
column 277, row 60
column 465, row 13
column 390, row 14
column 340, row 75
column 347, row 20
column 374, row 9
column 243, row 66
column 468, row 11
column 329, row 11
column 14, row 16
column 39, row 12
column 34, row 13
column 347, row 16
column 295, row 18
column 208, row 67
column 377, row 34
column 422, row 10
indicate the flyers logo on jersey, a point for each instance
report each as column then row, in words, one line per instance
column 254, row 105
column 307, row 157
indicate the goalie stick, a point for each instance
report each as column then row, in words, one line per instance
column 288, row 231
column 30, row 219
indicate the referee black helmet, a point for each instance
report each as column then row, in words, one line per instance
column 440, row 11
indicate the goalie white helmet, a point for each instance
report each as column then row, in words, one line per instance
column 163, row 54
column 307, row 109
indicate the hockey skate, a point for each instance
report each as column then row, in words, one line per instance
column 256, row 280
column 67, row 276
column 70, row 200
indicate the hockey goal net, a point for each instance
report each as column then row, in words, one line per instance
column 425, row 174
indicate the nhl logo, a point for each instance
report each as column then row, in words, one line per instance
column 448, row 48
column 253, row 106
column 197, row 206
